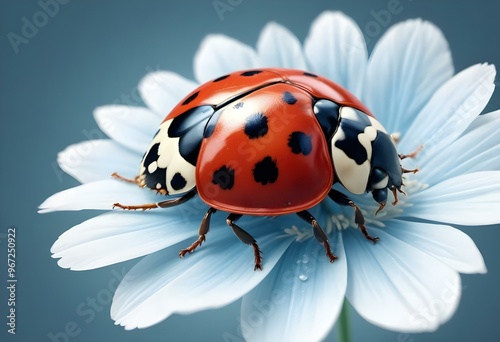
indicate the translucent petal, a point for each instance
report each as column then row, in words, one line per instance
column 450, row 111
column 447, row 244
column 100, row 195
column 478, row 149
column 472, row 199
column 336, row 49
column 300, row 299
column 162, row 90
column 278, row 47
column 132, row 127
column 396, row 286
column 219, row 55
column 94, row 160
column 408, row 64
column 119, row 236
column 217, row 274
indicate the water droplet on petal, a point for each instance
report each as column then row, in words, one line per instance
column 302, row 277
column 305, row 259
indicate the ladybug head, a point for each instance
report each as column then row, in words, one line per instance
column 364, row 156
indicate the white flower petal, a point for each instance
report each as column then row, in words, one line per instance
column 483, row 121
column 408, row 64
column 162, row 90
column 99, row 195
column 219, row 55
column 217, row 274
column 119, row 236
column 478, row 149
column 471, row 199
column 300, row 299
column 450, row 111
column 335, row 48
column 132, row 127
column 278, row 47
column 94, row 160
column 447, row 244
column 396, row 286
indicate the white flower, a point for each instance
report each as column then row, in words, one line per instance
column 409, row 281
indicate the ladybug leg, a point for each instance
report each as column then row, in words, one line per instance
column 134, row 180
column 359, row 219
column 319, row 233
column 411, row 155
column 246, row 238
column 204, row 228
column 163, row 204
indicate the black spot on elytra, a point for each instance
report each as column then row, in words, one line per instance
column 178, row 182
column 300, row 142
column 190, row 98
column 265, row 171
column 224, row 177
column 220, row 78
column 310, row 75
column 256, row 126
column 289, row 98
column 238, row 105
column 251, row 72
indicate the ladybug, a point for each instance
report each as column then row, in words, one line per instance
column 269, row 142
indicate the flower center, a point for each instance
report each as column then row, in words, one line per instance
column 332, row 216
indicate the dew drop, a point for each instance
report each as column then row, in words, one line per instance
column 305, row 259
column 303, row 277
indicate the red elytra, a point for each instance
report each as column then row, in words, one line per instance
column 223, row 88
column 303, row 181
column 252, row 143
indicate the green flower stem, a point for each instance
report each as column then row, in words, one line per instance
column 343, row 324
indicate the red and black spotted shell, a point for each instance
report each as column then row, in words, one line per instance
column 252, row 142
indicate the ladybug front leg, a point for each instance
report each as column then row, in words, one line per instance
column 204, row 228
column 319, row 233
column 413, row 154
column 163, row 204
column 246, row 238
column 134, row 180
column 359, row 219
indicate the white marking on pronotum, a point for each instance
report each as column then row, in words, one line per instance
column 152, row 167
column 169, row 158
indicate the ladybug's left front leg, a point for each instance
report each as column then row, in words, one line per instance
column 359, row 219
column 163, row 204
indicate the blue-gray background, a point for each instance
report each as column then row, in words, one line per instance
column 90, row 54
